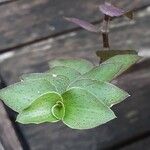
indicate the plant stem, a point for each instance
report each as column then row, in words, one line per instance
column 105, row 32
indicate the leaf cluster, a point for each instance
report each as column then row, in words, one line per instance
column 73, row 91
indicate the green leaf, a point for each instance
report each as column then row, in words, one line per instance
column 106, row 54
column 21, row 95
column 41, row 110
column 59, row 81
column 105, row 92
column 83, row 110
column 111, row 68
column 126, row 61
column 70, row 73
column 104, row 72
column 58, row 110
column 81, row 65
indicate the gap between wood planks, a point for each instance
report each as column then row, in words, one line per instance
column 130, row 141
column 4, row 2
column 58, row 34
column 22, row 140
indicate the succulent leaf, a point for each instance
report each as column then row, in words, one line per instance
column 70, row 73
column 105, row 92
column 21, row 95
column 83, row 110
column 104, row 72
column 81, row 65
column 58, row 110
column 59, row 81
column 111, row 68
column 126, row 61
column 40, row 110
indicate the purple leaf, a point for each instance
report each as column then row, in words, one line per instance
column 110, row 10
column 84, row 24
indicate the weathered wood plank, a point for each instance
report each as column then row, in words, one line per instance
column 4, row 1
column 26, row 20
column 1, row 146
column 133, row 114
column 8, row 137
column 75, row 44
column 140, row 145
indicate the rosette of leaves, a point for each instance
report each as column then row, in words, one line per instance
column 73, row 91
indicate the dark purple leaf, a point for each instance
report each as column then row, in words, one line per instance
column 84, row 24
column 110, row 10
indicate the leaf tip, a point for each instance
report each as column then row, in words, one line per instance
column 19, row 119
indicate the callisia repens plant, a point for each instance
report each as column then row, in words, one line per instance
column 73, row 91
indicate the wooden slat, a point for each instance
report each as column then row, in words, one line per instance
column 133, row 114
column 140, row 145
column 8, row 137
column 75, row 44
column 3, row 1
column 1, row 146
column 24, row 21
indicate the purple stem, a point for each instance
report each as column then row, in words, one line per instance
column 105, row 32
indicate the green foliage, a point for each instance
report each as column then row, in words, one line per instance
column 83, row 110
column 105, row 92
column 60, row 82
column 80, row 65
column 106, row 54
column 73, row 91
column 68, row 72
column 40, row 110
column 21, row 95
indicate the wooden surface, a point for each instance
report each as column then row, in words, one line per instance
column 30, row 21
column 1, row 146
column 140, row 145
column 25, row 21
column 34, row 57
column 8, row 137
column 5, row 1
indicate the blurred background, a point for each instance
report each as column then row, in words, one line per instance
column 32, row 32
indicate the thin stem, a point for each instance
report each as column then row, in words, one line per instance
column 105, row 32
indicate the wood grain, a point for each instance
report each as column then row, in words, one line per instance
column 1, row 146
column 5, row 1
column 83, row 44
column 25, row 21
column 139, row 145
column 133, row 114
column 8, row 137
